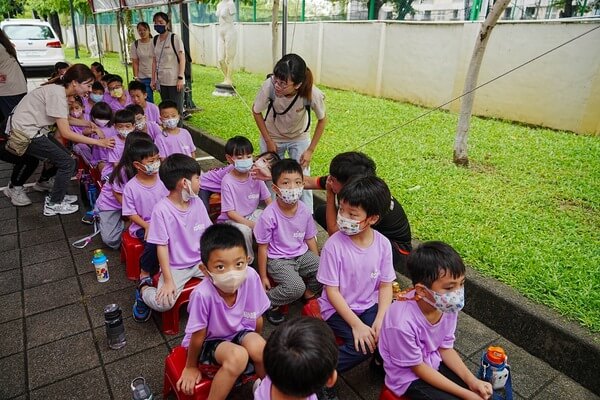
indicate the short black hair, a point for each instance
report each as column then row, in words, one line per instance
column 271, row 156
column 427, row 262
column 78, row 100
column 60, row 65
column 99, row 67
column 369, row 192
column 106, row 77
column 300, row 356
column 238, row 145
column 353, row 164
column 220, row 237
column 286, row 165
column 167, row 104
column 97, row 86
column 176, row 167
column 162, row 15
column 114, row 78
column 135, row 109
column 136, row 85
column 101, row 110
column 124, row 117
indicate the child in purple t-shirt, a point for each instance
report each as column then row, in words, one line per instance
column 356, row 270
column 137, row 92
column 118, row 98
column 123, row 122
column 225, row 318
column 150, row 128
column 240, row 193
column 101, row 115
column 287, row 246
column 173, row 138
column 417, row 333
column 301, row 344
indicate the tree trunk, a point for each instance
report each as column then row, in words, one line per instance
column 274, row 32
column 462, row 131
column 87, row 44
column 567, row 12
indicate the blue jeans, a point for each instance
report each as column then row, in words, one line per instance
column 294, row 150
column 348, row 356
column 149, row 91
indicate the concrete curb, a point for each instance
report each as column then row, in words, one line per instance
column 563, row 344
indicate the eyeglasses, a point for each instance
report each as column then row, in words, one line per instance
column 279, row 84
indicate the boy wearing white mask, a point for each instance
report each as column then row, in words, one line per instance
column 287, row 246
column 225, row 318
column 240, row 192
column 173, row 139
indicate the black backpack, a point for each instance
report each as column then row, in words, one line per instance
column 275, row 113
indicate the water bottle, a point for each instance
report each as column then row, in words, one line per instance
column 494, row 369
column 140, row 389
column 101, row 264
column 115, row 330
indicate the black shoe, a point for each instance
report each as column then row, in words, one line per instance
column 327, row 394
column 275, row 316
column 376, row 364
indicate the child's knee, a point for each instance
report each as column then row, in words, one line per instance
column 255, row 345
column 235, row 359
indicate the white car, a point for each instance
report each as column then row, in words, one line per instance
column 38, row 46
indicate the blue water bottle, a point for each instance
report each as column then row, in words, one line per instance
column 494, row 369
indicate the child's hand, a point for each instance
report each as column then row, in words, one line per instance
column 482, row 388
column 364, row 338
column 377, row 328
column 166, row 294
column 190, row 377
column 99, row 132
column 265, row 282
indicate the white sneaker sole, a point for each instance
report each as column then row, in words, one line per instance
column 14, row 202
column 49, row 212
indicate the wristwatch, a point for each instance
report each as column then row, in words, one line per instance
column 180, row 78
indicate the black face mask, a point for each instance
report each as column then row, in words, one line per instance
column 160, row 29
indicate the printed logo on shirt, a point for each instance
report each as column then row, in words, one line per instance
column 299, row 235
column 185, row 147
column 199, row 227
column 250, row 314
column 253, row 196
column 374, row 274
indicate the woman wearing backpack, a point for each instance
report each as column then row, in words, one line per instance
column 168, row 69
column 286, row 98
column 142, row 57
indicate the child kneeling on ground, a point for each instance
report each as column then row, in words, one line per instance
column 417, row 334
column 300, row 360
column 225, row 314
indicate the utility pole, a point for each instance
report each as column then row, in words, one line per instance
column 74, row 30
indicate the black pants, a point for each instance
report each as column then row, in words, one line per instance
column 421, row 390
column 24, row 166
column 149, row 258
column 171, row 93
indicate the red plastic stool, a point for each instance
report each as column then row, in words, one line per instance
column 131, row 251
column 170, row 318
column 312, row 309
column 387, row 394
column 214, row 206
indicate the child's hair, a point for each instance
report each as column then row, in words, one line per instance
column 350, row 165
column 97, row 86
column 162, row 15
column 138, row 146
column 58, row 66
column 145, row 25
column 238, row 146
column 300, row 356
column 137, row 85
column 76, row 72
column 77, row 100
column 431, row 260
column 176, row 167
column 167, row 104
column 135, row 109
column 220, row 237
column 114, row 78
column 101, row 110
column 370, row 193
column 124, row 117
column 270, row 156
column 99, row 67
column 286, row 165
column 292, row 66
column 105, row 78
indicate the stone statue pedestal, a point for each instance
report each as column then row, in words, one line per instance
column 224, row 90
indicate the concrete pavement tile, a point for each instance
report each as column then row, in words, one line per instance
column 8, row 213
column 565, row 388
column 72, row 219
column 37, row 197
column 36, row 221
column 60, row 359
column 10, row 281
column 344, row 391
column 149, row 364
column 140, row 336
column 4, row 201
column 89, row 385
column 472, row 336
column 56, row 324
column 77, row 229
column 91, row 286
column 48, row 271
column 12, row 378
column 12, row 307
column 51, row 295
column 10, row 260
column 83, row 261
column 363, row 381
column 30, row 210
column 8, row 242
column 83, row 258
column 123, row 297
column 11, row 338
column 9, row 226
column 44, row 252
column 39, row 236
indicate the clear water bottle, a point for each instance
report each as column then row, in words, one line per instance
column 101, row 265
column 141, row 390
column 115, row 330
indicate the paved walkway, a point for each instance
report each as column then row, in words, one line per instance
column 52, row 340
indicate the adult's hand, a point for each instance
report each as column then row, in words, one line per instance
column 305, row 158
column 108, row 143
column 180, row 85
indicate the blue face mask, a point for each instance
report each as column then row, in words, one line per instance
column 96, row 97
column 243, row 165
column 160, row 28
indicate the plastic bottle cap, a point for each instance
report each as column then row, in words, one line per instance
column 496, row 354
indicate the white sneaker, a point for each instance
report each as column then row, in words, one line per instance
column 69, row 198
column 44, row 186
column 59, row 208
column 17, row 196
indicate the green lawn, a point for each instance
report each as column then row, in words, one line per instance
column 527, row 210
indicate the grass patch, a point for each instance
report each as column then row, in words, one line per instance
column 526, row 212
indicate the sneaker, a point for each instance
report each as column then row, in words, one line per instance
column 275, row 316
column 59, row 208
column 141, row 311
column 89, row 218
column 69, row 198
column 17, row 196
column 44, row 186
column 327, row 394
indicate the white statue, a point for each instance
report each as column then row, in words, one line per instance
column 93, row 44
column 227, row 40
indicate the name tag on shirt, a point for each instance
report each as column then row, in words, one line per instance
column 253, row 196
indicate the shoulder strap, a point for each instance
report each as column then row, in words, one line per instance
column 136, row 43
column 173, row 47
column 271, row 96
column 154, row 40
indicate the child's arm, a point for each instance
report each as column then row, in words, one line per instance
column 384, row 301
column 167, row 291
column 118, row 196
column 259, row 325
column 262, row 265
column 330, row 209
column 237, row 217
column 439, row 381
column 140, row 221
column 312, row 245
column 191, row 374
column 364, row 336
column 453, row 361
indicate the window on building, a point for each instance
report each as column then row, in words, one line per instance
column 427, row 16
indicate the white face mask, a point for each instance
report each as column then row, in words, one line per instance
column 140, row 124
column 243, row 165
column 170, row 123
column 152, row 168
column 450, row 302
column 290, row 196
column 230, row 281
column 101, row 122
column 348, row 226
column 187, row 192
column 124, row 132
column 76, row 114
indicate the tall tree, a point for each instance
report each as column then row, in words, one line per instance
column 403, row 8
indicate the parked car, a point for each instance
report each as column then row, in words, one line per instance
column 38, row 46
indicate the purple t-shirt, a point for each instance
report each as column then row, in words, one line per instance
column 263, row 391
column 285, row 235
column 241, row 196
column 211, row 180
column 139, row 199
column 153, row 129
column 114, row 156
column 356, row 271
column 180, row 142
column 115, row 105
column 106, row 200
column 179, row 230
column 207, row 309
column 407, row 339
column 101, row 153
column 151, row 112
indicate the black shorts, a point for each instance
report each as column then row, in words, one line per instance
column 207, row 354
